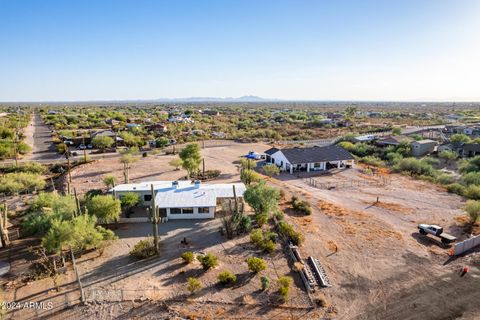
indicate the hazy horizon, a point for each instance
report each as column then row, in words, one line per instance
column 370, row 51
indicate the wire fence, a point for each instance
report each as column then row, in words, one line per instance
column 378, row 182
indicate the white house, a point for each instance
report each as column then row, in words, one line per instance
column 310, row 159
column 183, row 199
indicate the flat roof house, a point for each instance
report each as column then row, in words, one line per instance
column 183, row 199
column 423, row 147
column 310, row 159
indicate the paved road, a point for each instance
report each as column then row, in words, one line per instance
column 43, row 148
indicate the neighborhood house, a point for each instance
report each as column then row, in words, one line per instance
column 183, row 199
column 310, row 159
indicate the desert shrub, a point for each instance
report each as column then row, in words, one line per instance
column 301, row 206
column 393, row 158
column 244, row 225
column 263, row 239
column 208, row 261
column 431, row 161
column 473, row 210
column 143, row 249
column 265, row 282
column 28, row 167
column 414, row 167
column 18, row 182
column 471, row 178
column 36, row 224
column 261, row 219
column 284, row 284
column 472, row 192
column 456, row 188
column 469, row 165
column 226, row 277
column 256, row 264
column 188, row 256
column 193, row 285
column 271, row 170
column 445, row 179
column 373, row 161
column 288, row 231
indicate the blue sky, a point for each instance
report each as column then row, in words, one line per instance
column 306, row 50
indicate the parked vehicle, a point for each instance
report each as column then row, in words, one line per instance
column 68, row 142
column 254, row 156
column 82, row 147
column 437, row 232
column 89, row 146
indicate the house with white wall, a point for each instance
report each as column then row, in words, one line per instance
column 182, row 199
column 310, row 159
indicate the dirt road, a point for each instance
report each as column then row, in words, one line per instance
column 39, row 137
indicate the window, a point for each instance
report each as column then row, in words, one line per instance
column 187, row 210
column 175, row 210
column 162, row 212
column 316, row 165
column 204, row 210
column 147, row 197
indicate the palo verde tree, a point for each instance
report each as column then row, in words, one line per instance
column 106, row 208
column 191, row 158
column 263, row 200
column 271, row 170
column 129, row 200
column 127, row 159
column 109, row 181
column 102, row 142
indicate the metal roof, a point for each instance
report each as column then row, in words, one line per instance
column 186, row 194
column 316, row 154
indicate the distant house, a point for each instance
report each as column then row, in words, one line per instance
column 52, row 112
column 159, row 128
column 180, row 119
column 310, row 159
column 183, row 199
column 393, row 140
column 107, row 133
column 211, row 112
column 133, row 125
column 423, row 147
column 197, row 132
column 469, row 150
column 364, row 138
column 112, row 122
column 218, row 134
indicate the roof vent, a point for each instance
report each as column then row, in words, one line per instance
column 175, row 184
column 197, row 183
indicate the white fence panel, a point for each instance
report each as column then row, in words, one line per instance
column 466, row 245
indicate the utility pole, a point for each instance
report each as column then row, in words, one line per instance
column 82, row 293
column 84, row 150
column 67, row 149
column 154, row 216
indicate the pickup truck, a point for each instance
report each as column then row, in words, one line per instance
column 437, row 232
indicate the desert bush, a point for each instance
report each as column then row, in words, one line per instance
column 226, row 277
column 263, row 239
column 193, row 285
column 244, row 225
column 456, row 188
column 373, row 161
column 284, row 284
column 301, row 206
column 106, row 208
column 471, row 178
column 143, row 249
column 188, row 256
column 18, row 182
column 256, row 264
column 288, row 231
column 265, row 282
column 414, row 167
column 445, row 179
column 472, row 192
column 208, row 261
column 473, row 210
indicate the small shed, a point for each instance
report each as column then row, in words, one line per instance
column 423, row 147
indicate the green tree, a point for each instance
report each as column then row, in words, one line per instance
column 129, row 200
column 246, row 163
column 249, row 176
column 127, row 159
column 262, row 198
column 396, row 131
column 58, row 236
column 109, row 181
column 102, row 142
column 460, row 138
column 473, row 210
column 191, row 158
column 106, row 208
column 404, row 148
column 176, row 163
column 284, row 284
column 271, row 170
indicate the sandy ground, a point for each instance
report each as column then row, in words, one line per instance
column 372, row 252
column 380, row 267
column 156, row 167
